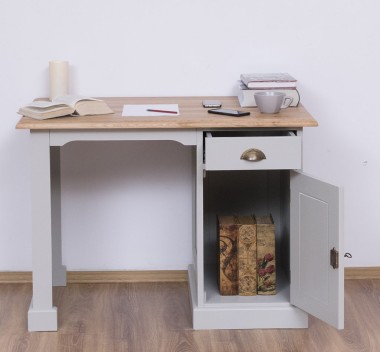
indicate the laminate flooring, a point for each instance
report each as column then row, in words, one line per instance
column 156, row 317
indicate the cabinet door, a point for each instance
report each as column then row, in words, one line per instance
column 316, row 229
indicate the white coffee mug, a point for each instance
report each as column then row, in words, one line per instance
column 271, row 102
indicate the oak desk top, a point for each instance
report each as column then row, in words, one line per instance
column 192, row 116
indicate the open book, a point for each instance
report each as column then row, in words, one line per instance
column 73, row 105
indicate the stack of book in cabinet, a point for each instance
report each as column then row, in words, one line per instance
column 250, row 83
column 247, row 261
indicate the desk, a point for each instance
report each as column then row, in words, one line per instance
column 189, row 128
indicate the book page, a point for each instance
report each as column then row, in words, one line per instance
column 70, row 100
column 43, row 104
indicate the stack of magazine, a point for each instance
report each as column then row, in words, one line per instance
column 250, row 83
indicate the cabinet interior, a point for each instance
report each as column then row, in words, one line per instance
column 259, row 192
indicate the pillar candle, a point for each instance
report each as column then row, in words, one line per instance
column 59, row 78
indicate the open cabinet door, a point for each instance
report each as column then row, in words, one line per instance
column 316, row 248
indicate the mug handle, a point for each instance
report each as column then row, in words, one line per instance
column 287, row 102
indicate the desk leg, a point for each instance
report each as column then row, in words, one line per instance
column 42, row 316
column 59, row 270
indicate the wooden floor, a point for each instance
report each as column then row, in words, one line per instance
column 155, row 317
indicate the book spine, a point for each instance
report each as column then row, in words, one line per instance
column 270, row 84
column 247, row 274
column 266, row 258
column 228, row 269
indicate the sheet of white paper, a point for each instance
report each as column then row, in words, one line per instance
column 142, row 110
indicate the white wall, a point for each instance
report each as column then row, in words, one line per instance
column 179, row 47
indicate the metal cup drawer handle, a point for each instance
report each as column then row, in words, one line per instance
column 253, row 155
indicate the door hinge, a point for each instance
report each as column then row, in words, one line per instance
column 334, row 258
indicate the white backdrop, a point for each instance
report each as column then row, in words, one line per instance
column 179, row 47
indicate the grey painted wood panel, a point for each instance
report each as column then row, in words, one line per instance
column 316, row 228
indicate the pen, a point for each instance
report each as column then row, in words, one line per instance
column 163, row 111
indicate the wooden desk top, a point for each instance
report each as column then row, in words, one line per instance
column 192, row 116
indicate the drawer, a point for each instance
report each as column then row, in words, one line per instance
column 266, row 150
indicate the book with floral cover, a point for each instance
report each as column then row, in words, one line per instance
column 237, row 255
column 228, row 265
column 266, row 255
column 247, row 273
column 268, row 80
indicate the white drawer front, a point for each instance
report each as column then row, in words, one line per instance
column 280, row 152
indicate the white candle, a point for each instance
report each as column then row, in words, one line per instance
column 59, row 78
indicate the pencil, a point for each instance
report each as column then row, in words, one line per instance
column 163, row 111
